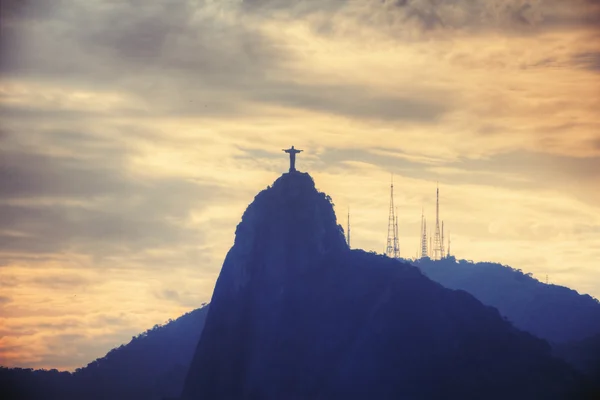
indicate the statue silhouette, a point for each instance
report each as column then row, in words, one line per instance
column 292, row 152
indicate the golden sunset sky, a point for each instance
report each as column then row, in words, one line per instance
column 135, row 133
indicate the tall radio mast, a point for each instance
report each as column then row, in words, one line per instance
column 423, row 238
column 391, row 249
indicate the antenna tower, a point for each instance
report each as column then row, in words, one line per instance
column 430, row 247
column 448, row 255
column 391, row 249
column 438, row 246
column 423, row 236
column 442, row 252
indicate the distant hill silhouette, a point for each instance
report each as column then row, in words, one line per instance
column 153, row 365
column 297, row 315
column 555, row 313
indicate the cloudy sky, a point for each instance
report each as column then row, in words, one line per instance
column 134, row 133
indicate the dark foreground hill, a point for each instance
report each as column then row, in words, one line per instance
column 583, row 354
column 555, row 313
column 296, row 315
column 153, row 365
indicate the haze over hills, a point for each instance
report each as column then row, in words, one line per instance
column 555, row 313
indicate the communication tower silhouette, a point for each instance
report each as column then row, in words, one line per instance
column 423, row 238
column 392, row 248
column 430, row 247
column 443, row 243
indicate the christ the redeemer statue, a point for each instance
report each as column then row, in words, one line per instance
column 292, row 152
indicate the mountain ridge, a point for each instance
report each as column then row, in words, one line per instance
column 552, row 312
column 279, row 279
column 151, row 366
column 296, row 314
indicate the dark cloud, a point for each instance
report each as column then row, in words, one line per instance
column 60, row 282
column 573, row 14
column 570, row 175
column 61, row 325
column 514, row 16
column 170, row 294
column 110, row 320
column 540, row 167
column 18, row 332
column 212, row 59
column 257, row 153
column 31, row 175
column 27, row 9
column 354, row 101
column 587, row 229
column 391, row 162
column 516, row 170
column 123, row 40
column 589, row 60
column 183, row 298
column 187, row 66
column 181, row 58
column 4, row 300
column 398, row 161
column 81, row 196
column 119, row 228
column 52, row 113
column 427, row 15
column 489, row 129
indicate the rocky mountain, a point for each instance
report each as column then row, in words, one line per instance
column 297, row 315
column 555, row 313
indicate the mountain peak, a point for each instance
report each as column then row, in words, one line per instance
column 290, row 223
column 296, row 314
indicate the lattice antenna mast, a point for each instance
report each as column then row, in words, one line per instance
column 423, row 238
column 430, row 247
column 448, row 255
column 442, row 243
column 437, row 240
column 391, row 249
